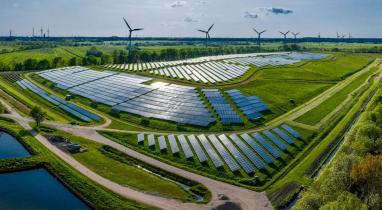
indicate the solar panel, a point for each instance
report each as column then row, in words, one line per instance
column 283, row 135
column 141, row 138
column 266, row 145
column 173, row 144
column 185, row 147
column 247, row 151
column 233, row 166
column 210, row 151
column 258, row 149
column 151, row 140
column 197, row 148
column 162, row 143
column 275, row 140
column 236, row 154
column 291, row 131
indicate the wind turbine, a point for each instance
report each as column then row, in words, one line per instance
column 295, row 35
column 285, row 35
column 131, row 32
column 207, row 33
column 10, row 33
column 259, row 33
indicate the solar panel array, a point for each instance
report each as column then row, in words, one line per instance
column 224, row 110
column 173, row 144
column 129, row 93
column 276, row 59
column 283, row 135
column 236, row 154
column 247, row 151
column 236, row 151
column 185, row 147
column 229, row 160
column 76, row 111
column 162, row 143
column 197, row 148
column 251, row 106
column 291, row 131
column 210, row 72
column 210, row 151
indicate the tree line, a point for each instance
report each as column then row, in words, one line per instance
column 354, row 178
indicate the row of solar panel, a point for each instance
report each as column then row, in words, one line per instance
column 236, row 151
column 210, row 72
column 128, row 93
column 251, row 106
column 224, row 110
column 276, row 60
column 64, row 105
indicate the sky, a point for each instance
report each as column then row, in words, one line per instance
column 182, row 18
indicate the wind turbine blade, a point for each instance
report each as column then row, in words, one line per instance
column 211, row 27
column 287, row 32
column 127, row 24
column 256, row 31
column 263, row 31
column 202, row 31
column 138, row 29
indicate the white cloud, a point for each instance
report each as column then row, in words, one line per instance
column 178, row 4
column 190, row 20
column 266, row 11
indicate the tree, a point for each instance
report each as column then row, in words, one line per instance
column 73, row 62
column 345, row 201
column 367, row 176
column 38, row 115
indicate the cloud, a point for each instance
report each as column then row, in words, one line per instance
column 266, row 11
column 277, row 11
column 190, row 20
column 178, row 4
column 251, row 15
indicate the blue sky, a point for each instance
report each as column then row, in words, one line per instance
column 175, row 18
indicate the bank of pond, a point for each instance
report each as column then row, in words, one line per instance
column 34, row 189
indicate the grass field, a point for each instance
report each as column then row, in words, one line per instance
column 125, row 174
column 207, row 169
column 332, row 69
column 315, row 115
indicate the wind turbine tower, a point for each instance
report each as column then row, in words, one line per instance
column 41, row 32
column 10, row 33
column 285, row 35
column 131, row 30
column 207, row 32
column 33, row 32
column 295, row 35
column 259, row 33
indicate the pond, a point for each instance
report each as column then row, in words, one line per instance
column 36, row 190
column 11, row 148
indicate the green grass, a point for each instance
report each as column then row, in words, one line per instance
column 299, row 167
column 95, row 195
column 277, row 94
column 122, row 173
column 332, row 69
column 315, row 115
column 207, row 169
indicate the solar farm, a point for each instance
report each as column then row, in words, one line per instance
column 247, row 152
column 215, row 69
column 165, row 101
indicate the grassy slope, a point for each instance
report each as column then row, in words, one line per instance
column 336, row 68
column 315, row 115
column 297, row 174
column 97, row 196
